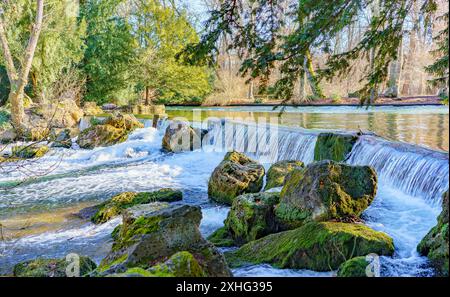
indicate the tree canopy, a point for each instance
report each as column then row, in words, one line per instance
column 258, row 32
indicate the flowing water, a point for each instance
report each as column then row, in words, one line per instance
column 37, row 215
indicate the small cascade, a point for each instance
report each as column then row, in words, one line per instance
column 415, row 170
column 268, row 143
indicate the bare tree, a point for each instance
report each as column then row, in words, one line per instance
column 18, row 79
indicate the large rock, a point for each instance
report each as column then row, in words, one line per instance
column 277, row 173
column 92, row 109
column 334, row 146
column 63, row 114
column 315, row 246
column 251, row 217
column 326, row 191
column 51, row 267
column 180, row 136
column 435, row 244
column 114, row 207
column 114, row 130
column 236, row 175
column 147, row 238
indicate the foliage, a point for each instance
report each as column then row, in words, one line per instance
column 439, row 69
column 257, row 34
column 110, row 52
column 60, row 44
column 162, row 33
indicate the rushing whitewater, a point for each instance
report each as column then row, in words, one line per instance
column 416, row 171
column 411, row 180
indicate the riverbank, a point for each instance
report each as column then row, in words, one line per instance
column 383, row 101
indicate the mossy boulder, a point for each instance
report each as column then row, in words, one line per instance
column 63, row 114
column 325, row 191
column 118, row 203
column 114, row 130
column 251, row 217
column 334, row 146
column 51, row 267
column 355, row 267
column 278, row 171
column 236, row 175
column 435, row 244
column 29, row 151
column 316, row 246
column 180, row 136
column 182, row 264
column 148, row 238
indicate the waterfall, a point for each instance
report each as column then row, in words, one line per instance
column 266, row 142
column 415, row 170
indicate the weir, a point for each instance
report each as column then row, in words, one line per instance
column 415, row 170
column 265, row 142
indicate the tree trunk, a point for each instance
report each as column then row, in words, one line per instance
column 302, row 86
column 251, row 94
column 395, row 71
column 19, row 81
column 312, row 78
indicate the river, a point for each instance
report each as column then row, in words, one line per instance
column 412, row 165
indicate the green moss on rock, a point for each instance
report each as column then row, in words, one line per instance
column 182, row 264
column 51, row 267
column 236, row 174
column 118, row 203
column 278, row 171
column 316, row 246
column 29, row 151
column 252, row 216
column 355, row 267
column 435, row 244
column 221, row 237
column 114, row 130
column 148, row 237
column 326, row 191
column 334, row 146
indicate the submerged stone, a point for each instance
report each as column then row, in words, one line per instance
column 334, row 146
column 278, row 171
column 435, row 244
column 236, row 174
column 326, row 191
column 315, row 246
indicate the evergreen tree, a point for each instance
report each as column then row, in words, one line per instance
column 111, row 52
column 439, row 69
